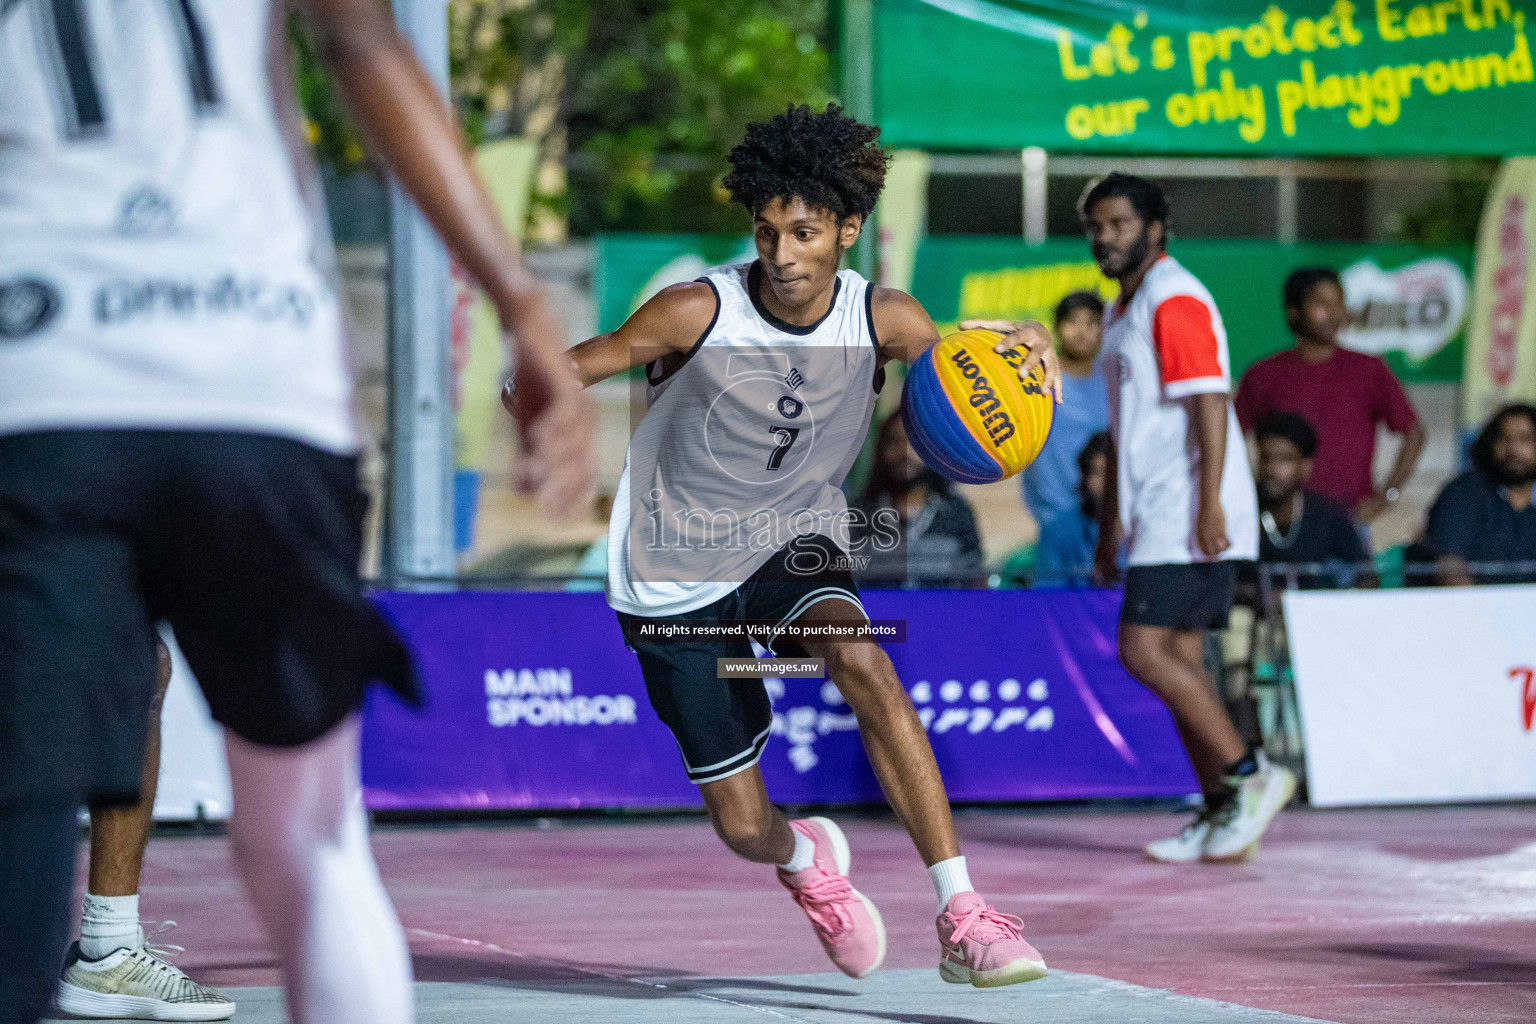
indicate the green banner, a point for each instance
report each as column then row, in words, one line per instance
column 1245, row 77
column 1408, row 303
column 630, row 268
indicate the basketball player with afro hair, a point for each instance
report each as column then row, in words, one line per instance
column 761, row 386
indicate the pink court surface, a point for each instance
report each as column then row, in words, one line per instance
column 1394, row 916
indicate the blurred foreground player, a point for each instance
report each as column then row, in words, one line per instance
column 762, row 380
column 1182, row 498
column 177, row 442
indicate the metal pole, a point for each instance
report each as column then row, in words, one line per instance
column 418, row 539
column 1035, row 179
column 857, row 65
column 1288, row 199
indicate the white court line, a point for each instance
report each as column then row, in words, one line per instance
column 1373, row 984
column 492, row 947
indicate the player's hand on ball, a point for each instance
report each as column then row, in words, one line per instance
column 1034, row 338
column 556, row 419
column 1211, row 529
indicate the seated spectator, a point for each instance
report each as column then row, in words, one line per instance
column 1342, row 394
column 1050, row 482
column 915, row 529
column 1064, row 557
column 1487, row 514
column 1299, row 526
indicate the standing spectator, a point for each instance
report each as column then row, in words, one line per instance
column 1301, row 526
column 1342, row 394
column 1050, row 482
column 1064, row 557
column 1181, row 494
column 915, row 529
column 1487, row 514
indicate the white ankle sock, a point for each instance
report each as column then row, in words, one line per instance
column 805, row 854
column 108, row 923
column 950, row 878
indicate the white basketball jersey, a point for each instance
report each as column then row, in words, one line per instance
column 1166, row 345
column 742, row 449
column 164, row 261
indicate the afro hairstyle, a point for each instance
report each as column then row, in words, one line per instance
column 826, row 159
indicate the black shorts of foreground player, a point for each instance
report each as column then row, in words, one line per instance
column 762, row 380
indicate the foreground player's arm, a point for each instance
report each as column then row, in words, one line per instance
column 905, row 331
column 670, row 323
column 1208, row 425
column 903, row 328
column 407, row 122
column 1106, row 550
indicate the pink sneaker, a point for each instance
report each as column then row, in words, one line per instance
column 843, row 918
column 984, row 947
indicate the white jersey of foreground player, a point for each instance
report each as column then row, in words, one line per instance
column 1163, row 347
column 164, row 259
column 742, row 449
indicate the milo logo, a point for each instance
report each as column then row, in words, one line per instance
column 984, row 399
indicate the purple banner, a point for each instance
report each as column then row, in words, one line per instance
column 535, row 703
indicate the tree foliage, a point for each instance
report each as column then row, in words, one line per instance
column 1453, row 213
column 642, row 98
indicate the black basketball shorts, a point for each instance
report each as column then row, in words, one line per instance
column 248, row 545
column 722, row 725
column 1182, row 597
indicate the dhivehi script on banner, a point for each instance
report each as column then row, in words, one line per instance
column 1229, row 76
column 1416, row 696
column 533, row 701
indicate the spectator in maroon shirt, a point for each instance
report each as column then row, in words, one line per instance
column 1343, row 394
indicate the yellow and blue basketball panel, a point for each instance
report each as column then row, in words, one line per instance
column 967, row 413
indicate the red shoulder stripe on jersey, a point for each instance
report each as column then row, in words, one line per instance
column 1185, row 339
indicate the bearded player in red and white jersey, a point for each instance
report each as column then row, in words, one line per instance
column 1181, row 497
column 177, row 443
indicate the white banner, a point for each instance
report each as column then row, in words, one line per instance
column 194, row 780
column 1416, row 696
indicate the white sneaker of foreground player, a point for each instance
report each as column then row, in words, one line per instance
column 1258, row 798
column 136, row 984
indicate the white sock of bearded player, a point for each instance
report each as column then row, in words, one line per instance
column 301, row 838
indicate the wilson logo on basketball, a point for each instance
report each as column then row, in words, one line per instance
column 1526, row 677
column 983, row 398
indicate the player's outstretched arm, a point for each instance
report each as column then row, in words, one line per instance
column 411, row 128
column 902, row 326
column 668, row 325
column 906, row 331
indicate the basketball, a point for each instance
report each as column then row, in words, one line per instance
column 969, row 416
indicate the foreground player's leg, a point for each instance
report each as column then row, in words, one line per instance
column 813, row 859
column 980, row 945
column 111, row 974
column 1243, row 792
column 301, row 838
